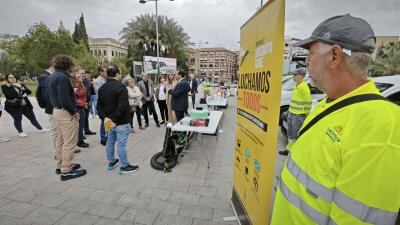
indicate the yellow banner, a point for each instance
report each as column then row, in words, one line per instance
column 260, row 79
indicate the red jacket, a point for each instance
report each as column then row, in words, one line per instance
column 80, row 96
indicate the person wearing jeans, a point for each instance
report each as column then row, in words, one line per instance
column 18, row 104
column 113, row 108
column 97, row 83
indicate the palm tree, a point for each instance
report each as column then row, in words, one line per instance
column 387, row 61
column 140, row 36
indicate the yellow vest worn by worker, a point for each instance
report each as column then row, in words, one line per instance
column 301, row 99
column 345, row 170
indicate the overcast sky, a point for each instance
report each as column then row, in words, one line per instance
column 214, row 21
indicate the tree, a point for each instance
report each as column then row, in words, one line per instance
column 80, row 33
column 121, row 62
column 387, row 61
column 140, row 36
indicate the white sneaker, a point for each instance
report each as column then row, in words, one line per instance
column 132, row 130
column 44, row 130
column 22, row 134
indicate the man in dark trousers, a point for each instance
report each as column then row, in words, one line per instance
column 44, row 101
column 193, row 89
column 86, row 82
column 66, row 117
column 147, row 89
column 180, row 101
column 113, row 108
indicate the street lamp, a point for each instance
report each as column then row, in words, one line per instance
column 158, row 49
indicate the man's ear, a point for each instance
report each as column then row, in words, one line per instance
column 336, row 56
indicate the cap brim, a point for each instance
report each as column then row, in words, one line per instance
column 305, row 43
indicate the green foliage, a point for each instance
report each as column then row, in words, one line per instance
column 32, row 53
column 121, row 62
column 387, row 61
column 80, row 34
column 140, row 36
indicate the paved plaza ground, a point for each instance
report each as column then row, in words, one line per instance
column 192, row 194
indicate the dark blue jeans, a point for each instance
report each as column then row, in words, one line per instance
column 28, row 113
column 103, row 133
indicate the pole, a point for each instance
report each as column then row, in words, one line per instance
column 158, row 49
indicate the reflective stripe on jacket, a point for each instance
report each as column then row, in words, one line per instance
column 345, row 169
column 301, row 99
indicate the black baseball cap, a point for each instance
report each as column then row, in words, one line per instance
column 349, row 32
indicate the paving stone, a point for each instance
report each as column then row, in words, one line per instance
column 204, row 222
column 133, row 201
column 219, row 214
column 45, row 215
column 194, row 211
column 182, row 197
column 166, row 219
column 78, row 205
column 49, row 200
column 7, row 220
column 216, row 203
column 4, row 202
column 17, row 209
column 107, row 221
column 155, row 193
column 129, row 215
column 166, row 207
column 78, row 192
column 105, row 196
column 73, row 218
column 22, row 195
column 173, row 186
column 202, row 190
column 145, row 216
column 107, row 210
column 129, row 189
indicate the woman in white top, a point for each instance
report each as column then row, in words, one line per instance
column 161, row 96
column 134, row 96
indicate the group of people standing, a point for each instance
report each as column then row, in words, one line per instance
column 67, row 94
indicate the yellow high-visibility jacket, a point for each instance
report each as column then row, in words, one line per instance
column 345, row 170
column 301, row 99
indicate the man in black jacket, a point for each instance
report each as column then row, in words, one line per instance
column 180, row 102
column 113, row 108
column 42, row 93
column 62, row 97
column 193, row 89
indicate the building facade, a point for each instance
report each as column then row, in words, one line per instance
column 214, row 64
column 106, row 49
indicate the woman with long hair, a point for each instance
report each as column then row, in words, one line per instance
column 81, row 105
column 18, row 104
column 161, row 96
column 171, row 83
column 134, row 96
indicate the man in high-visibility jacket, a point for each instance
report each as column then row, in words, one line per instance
column 299, row 107
column 344, row 167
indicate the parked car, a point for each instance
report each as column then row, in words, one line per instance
column 389, row 86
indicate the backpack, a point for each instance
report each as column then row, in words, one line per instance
column 41, row 99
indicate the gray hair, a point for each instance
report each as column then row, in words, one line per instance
column 358, row 63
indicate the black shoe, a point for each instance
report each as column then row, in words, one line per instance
column 82, row 144
column 103, row 142
column 147, row 125
column 75, row 167
column 162, row 122
column 112, row 165
column 73, row 174
column 157, row 124
column 77, row 150
column 285, row 152
column 90, row 133
column 128, row 169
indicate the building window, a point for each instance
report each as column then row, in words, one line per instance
column 105, row 52
column 112, row 53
